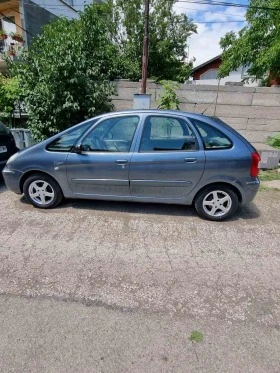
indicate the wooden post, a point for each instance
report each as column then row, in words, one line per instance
column 145, row 49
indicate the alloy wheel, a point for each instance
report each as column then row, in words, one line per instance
column 41, row 192
column 217, row 203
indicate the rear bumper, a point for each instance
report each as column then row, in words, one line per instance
column 12, row 179
column 249, row 188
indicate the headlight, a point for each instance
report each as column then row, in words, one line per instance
column 12, row 158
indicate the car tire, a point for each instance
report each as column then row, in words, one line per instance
column 216, row 203
column 42, row 191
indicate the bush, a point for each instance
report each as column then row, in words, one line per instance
column 168, row 99
column 274, row 141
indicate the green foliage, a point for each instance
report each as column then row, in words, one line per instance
column 269, row 175
column 9, row 93
column 169, row 99
column 66, row 72
column 169, row 33
column 257, row 45
column 196, row 336
column 274, row 141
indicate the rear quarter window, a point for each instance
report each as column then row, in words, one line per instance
column 212, row 138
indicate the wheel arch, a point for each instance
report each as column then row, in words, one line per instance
column 27, row 174
column 218, row 184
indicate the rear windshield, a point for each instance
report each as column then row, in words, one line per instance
column 3, row 129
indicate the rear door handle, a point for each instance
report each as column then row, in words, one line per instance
column 121, row 161
column 190, row 160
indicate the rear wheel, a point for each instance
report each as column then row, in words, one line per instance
column 42, row 191
column 216, row 203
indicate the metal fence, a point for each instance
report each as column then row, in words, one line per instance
column 23, row 137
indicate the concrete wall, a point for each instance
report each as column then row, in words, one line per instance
column 254, row 112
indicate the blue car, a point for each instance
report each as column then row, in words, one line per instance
column 144, row 156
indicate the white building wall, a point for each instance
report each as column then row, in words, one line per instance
column 234, row 76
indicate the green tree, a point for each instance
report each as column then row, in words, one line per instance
column 9, row 94
column 66, row 73
column 257, row 44
column 169, row 33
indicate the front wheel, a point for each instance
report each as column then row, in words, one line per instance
column 216, row 203
column 42, row 191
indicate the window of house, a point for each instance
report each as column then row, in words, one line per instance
column 210, row 74
column 245, row 73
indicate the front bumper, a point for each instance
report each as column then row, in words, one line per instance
column 12, row 179
column 2, row 165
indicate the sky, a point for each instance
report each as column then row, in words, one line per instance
column 205, row 44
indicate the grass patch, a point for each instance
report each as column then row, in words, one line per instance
column 196, row 336
column 269, row 175
column 263, row 188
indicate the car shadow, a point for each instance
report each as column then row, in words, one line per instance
column 130, row 207
column 245, row 212
column 250, row 211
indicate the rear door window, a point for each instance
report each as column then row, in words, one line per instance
column 163, row 133
column 212, row 137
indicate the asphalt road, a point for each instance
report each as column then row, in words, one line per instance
column 118, row 287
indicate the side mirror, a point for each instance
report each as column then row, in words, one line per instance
column 77, row 149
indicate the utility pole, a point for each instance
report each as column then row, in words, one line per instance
column 145, row 49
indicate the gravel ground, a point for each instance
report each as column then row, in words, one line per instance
column 119, row 287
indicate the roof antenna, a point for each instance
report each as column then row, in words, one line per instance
column 215, row 99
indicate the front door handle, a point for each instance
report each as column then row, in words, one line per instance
column 121, row 161
column 190, row 160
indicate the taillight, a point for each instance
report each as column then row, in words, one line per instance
column 255, row 164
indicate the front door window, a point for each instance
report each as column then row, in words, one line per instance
column 111, row 135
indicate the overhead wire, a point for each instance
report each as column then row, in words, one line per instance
column 227, row 4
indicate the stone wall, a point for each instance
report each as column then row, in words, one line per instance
column 254, row 112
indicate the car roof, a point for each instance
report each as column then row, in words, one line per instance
column 154, row 111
